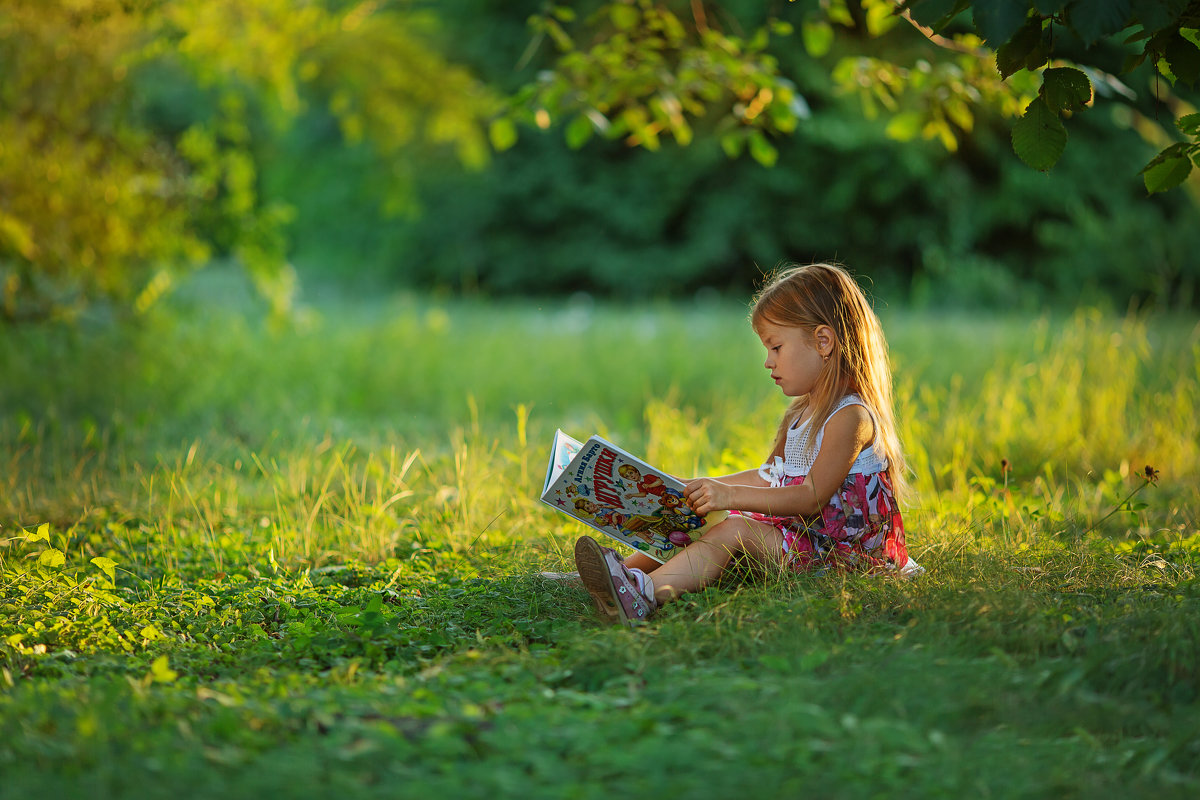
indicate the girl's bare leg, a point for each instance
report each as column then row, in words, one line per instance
column 643, row 562
column 705, row 559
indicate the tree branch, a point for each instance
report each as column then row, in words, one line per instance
column 698, row 15
column 943, row 42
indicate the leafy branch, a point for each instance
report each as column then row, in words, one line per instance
column 1025, row 37
column 637, row 72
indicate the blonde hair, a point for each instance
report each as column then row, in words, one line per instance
column 825, row 294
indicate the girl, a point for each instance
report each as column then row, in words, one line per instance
column 827, row 496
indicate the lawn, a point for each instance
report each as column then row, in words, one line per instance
column 242, row 558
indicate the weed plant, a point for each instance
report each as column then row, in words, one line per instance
column 241, row 559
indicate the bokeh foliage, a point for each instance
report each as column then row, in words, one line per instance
column 899, row 164
column 84, row 194
column 133, row 132
column 144, row 138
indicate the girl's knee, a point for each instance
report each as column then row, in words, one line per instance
column 731, row 530
column 743, row 535
column 727, row 531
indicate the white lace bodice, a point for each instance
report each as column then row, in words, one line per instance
column 796, row 461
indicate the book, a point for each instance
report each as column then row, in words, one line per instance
column 622, row 496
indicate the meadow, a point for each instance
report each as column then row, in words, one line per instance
column 242, row 558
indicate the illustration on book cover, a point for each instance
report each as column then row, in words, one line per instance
column 605, row 487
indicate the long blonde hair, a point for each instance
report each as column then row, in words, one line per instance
column 824, row 294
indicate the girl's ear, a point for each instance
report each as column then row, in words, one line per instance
column 825, row 338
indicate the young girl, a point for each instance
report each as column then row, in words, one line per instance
column 827, row 496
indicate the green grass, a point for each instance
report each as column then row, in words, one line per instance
column 299, row 560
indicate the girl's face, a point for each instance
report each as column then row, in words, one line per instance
column 793, row 357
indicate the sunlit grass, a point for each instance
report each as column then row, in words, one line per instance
column 417, row 422
column 331, row 530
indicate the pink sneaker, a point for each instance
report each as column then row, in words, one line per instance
column 610, row 583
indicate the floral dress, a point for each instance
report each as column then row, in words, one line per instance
column 860, row 528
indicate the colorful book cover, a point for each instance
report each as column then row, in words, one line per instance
column 622, row 496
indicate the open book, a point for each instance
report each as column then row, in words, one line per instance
column 621, row 496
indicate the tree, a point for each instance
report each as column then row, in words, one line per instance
column 130, row 132
column 1069, row 44
column 645, row 71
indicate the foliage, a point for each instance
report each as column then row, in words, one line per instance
column 134, row 132
column 89, row 204
column 141, row 139
column 241, row 559
column 993, row 58
column 645, row 76
column 973, row 226
column 1029, row 36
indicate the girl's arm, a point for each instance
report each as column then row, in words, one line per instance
column 846, row 433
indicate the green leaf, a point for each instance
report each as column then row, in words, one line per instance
column 781, row 27
column 762, row 150
column 624, row 17
column 959, row 113
column 1162, row 174
column 1164, row 69
column 683, row 131
column 1189, row 124
column 732, row 144
column 107, row 565
column 904, row 126
column 578, row 131
column 1096, row 19
column 42, row 534
column 51, row 557
column 161, row 672
column 998, row 20
column 817, row 36
column 1184, row 58
column 1066, row 89
column 1039, row 137
column 502, row 133
column 18, row 234
column 1013, row 54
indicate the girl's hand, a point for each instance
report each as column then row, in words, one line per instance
column 706, row 494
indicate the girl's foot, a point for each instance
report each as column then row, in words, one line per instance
column 611, row 584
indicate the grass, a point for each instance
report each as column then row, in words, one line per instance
column 239, row 560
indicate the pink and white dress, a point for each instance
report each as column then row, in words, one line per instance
column 860, row 528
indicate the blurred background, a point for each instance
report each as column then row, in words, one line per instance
column 623, row 150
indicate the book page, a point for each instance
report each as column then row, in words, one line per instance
column 561, row 453
column 624, row 497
